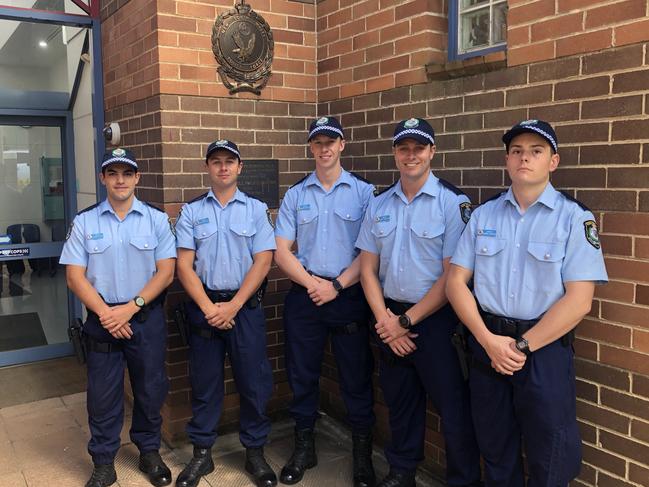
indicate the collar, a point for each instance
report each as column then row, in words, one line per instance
column 238, row 196
column 137, row 206
column 344, row 178
column 431, row 187
column 548, row 197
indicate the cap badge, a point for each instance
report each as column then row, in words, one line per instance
column 221, row 142
column 119, row 152
column 529, row 122
column 410, row 123
column 322, row 121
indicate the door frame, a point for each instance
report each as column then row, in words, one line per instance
column 63, row 120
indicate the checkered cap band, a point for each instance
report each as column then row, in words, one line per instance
column 406, row 132
column 115, row 160
column 328, row 128
column 543, row 134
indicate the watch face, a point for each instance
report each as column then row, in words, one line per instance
column 139, row 300
column 404, row 321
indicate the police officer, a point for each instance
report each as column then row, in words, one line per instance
column 408, row 236
column 120, row 258
column 534, row 255
column 323, row 213
column 225, row 246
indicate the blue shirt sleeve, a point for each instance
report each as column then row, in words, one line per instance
column 287, row 217
column 264, row 238
column 583, row 260
column 464, row 254
column 454, row 223
column 74, row 251
column 166, row 248
column 184, row 229
column 365, row 240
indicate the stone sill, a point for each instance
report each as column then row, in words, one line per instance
column 467, row 67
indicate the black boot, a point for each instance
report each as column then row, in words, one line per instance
column 398, row 479
column 151, row 463
column 200, row 464
column 302, row 459
column 102, row 476
column 257, row 466
column 363, row 469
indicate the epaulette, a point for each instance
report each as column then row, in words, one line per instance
column 88, row 209
column 253, row 197
column 360, row 178
column 153, row 206
column 301, row 180
column 451, row 186
column 385, row 189
column 198, row 198
column 494, row 197
column 575, row 200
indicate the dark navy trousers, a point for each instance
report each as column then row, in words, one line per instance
column 432, row 370
column 245, row 345
column 144, row 354
column 537, row 402
column 307, row 327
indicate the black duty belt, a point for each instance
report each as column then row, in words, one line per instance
column 501, row 325
column 397, row 307
column 208, row 333
column 142, row 315
column 94, row 345
column 348, row 329
column 223, row 296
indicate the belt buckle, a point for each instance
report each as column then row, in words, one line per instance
column 510, row 327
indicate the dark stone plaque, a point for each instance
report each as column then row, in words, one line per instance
column 260, row 178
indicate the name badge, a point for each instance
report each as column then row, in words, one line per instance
column 202, row 221
column 382, row 218
column 95, row 236
column 304, row 207
column 487, row 232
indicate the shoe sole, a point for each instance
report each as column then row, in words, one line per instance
column 307, row 467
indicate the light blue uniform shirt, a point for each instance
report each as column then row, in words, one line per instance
column 225, row 238
column 119, row 255
column 412, row 239
column 324, row 223
column 521, row 260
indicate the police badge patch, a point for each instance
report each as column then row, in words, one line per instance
column 67, row 235
column 172, row 227
column 270, row 220
column 465, row 211
column 592, row 235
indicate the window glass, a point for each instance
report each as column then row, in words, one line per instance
column 479, row 25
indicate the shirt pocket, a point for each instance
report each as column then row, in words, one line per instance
column 243, row 229
column 489, row 260
column 383, row 229
column 204, row 232
column 141, row 253
column 427, row 239
column 543, row 266
column 144, row 243
column 347, row 224
column 96, row 247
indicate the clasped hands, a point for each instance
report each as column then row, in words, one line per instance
column 394, row 335
column 321, row 291
column 505, row 357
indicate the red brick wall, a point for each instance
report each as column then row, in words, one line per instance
column 539, row 30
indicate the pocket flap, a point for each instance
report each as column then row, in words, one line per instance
column 489, row 245
column 427, row 229
column 243, row 229
column 146, row 242
column 547, row 251
column 205, row 230
column 349, row 214
column 97, row 246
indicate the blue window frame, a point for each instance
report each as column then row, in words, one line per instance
column 476, row 28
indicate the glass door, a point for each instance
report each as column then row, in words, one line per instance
column 34, row 300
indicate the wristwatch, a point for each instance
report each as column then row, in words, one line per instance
column 523, row 346
column 404, row 321
column 336, row 284
column 139, row 301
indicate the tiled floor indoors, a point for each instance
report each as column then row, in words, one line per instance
column 43, row 444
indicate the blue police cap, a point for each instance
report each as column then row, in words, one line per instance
column 119, row 156
column 328, row 126
column 222, row 144
column 414, row 128
column 539, row 127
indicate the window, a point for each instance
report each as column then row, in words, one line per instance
column 476, row 27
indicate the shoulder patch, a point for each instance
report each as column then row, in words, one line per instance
column 198, row 198
column 494, row 197
column 270, row 219
column 70, row 228
column 89, row 208
column 451, row 186
column 575, row 200
column 592, row 235
column 153, row 206
column 465, row 211
column 360, row 178
column 386, row 189
column 300, row 181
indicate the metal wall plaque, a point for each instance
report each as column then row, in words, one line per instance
column 260, row 178
column 243, row 45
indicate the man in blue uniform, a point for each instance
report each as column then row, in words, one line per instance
column 225, row 246
column 408, row 236
column 323, row 213
column 535, row 257
column 120, row 258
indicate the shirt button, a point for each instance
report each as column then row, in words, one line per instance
column 425, row 233
column 243, row 231
column 380, row 232
column 326, row 211
column 203, row 234
column 546, row 256
column 96, row 249
column 514, row 270
column 400, row 269
column 146, row 246
column 484, row 250
column 324, row 229
column 518, row 245
column 522, row 220
column 348, row 215
column 511, row 295
column 303, row 220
